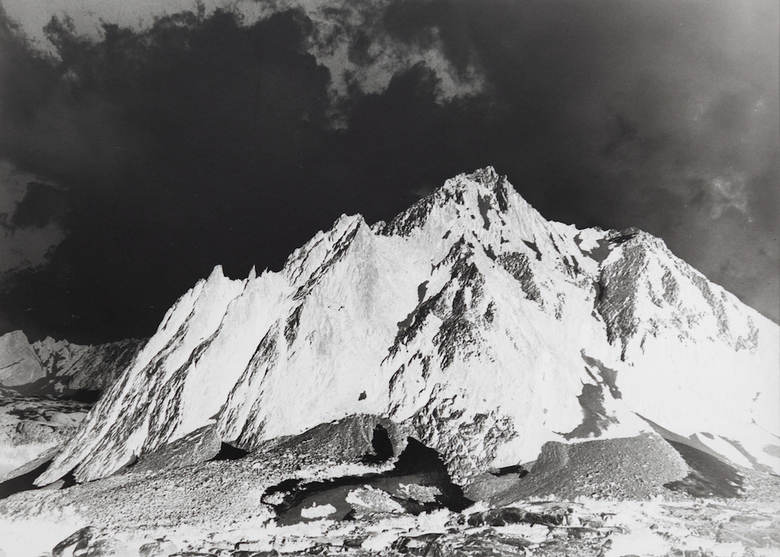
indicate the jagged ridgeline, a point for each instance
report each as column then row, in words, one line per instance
column 469, row 320
column 60, row 368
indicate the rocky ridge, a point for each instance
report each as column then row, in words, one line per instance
column 60, row 368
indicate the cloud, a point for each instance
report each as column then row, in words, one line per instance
column 42, row 205
column 662, row 115
column 727, row 192
column 229, row 137
column 30, row 214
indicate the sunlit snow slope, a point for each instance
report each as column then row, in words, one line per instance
column 471, row 318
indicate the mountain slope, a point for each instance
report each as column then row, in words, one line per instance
column 470, row 318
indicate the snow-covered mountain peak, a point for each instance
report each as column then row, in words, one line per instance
column 485, row 211
column 482, row 199
column 469, row 318
column 480, row 193
column 642, row 280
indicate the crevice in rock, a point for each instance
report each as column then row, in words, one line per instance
column 381, row 445
column 229, row 452
column 417, row 466
column 535, row 248
column 516, row 469
column 484, row 205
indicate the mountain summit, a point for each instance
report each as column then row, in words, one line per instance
column 470, row 320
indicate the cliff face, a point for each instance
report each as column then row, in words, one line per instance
column 19, row 364
column 470, row 319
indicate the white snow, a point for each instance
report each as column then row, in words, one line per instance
column 374, row 500
column 318, row 511
column 589, row 238
column 29, row 537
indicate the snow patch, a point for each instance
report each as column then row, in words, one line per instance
column 318, row 511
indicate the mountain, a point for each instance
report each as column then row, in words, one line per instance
column 60, row 368
column 469, row 320
column 19, row 364
column 47, row 388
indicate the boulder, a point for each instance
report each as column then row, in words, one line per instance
column 157, row 548
column 104, row 547
column 77, row 542
column 367, row 500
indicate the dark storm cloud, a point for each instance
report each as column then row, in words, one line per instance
column 41, row 205
column 175, row 146
column 613, row 86
column 207, row 140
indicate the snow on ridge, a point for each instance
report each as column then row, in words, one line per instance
column 469, row 317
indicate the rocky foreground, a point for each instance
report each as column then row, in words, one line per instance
column 337, row 489
column 540, row 528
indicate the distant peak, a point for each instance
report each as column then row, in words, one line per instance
column 216, row 274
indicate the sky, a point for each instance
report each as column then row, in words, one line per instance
column 143, row 143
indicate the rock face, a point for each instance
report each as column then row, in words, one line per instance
column 19, row 365
column 470, row 319
column 90, row 543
